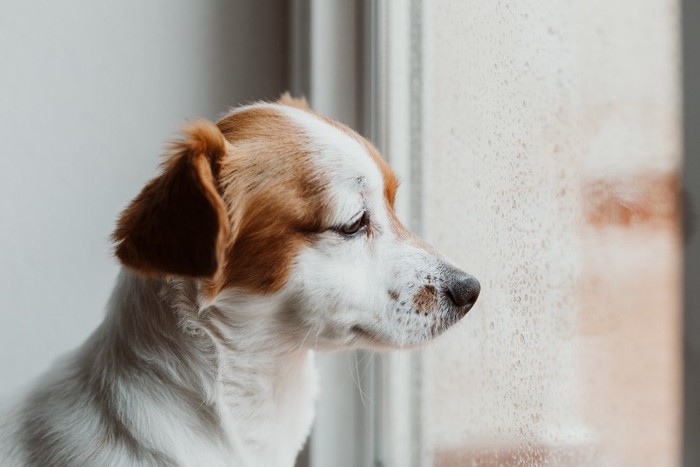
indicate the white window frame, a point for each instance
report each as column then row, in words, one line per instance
column 360, row 62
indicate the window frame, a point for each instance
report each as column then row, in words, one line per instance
column 385, row 47
column 690, row 18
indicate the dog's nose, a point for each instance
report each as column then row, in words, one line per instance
column 462, row 289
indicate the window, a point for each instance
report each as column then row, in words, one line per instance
column 558, row 128
column 539, row 145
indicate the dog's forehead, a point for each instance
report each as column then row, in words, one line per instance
column 284, row 149
column 337, row 149
column 352, row 176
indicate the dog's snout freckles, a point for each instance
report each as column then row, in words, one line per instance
column 426, row 299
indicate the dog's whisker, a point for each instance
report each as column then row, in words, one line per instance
column 301, row 346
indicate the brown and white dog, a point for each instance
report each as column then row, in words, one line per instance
column 265, row 237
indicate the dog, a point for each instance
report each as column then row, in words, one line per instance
column 266, row 236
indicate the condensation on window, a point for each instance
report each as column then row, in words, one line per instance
column 552, row 155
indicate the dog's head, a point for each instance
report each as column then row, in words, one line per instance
column 281, row 207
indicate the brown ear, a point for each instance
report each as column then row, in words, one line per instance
column 178, row 223
column 298, row 102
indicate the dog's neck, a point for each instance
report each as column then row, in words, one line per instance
column 229, row 370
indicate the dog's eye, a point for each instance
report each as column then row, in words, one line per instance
column 355, row 226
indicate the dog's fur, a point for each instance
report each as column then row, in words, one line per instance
column 240, row 259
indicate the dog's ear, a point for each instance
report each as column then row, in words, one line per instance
column 298, row 102
column 178, row 224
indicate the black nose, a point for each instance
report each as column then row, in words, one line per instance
column 462, row 289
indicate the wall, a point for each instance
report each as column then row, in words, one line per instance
column 89, row 93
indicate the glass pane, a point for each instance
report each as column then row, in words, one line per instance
column 552, row 161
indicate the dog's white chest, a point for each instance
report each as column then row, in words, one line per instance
column 272, row 432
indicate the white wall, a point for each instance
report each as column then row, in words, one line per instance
column 89, row 92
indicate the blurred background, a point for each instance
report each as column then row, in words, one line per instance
column 548, row 147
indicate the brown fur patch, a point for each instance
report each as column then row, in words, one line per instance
column 425, row 299
column 274, row 197
column 178, row 224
